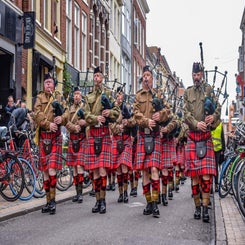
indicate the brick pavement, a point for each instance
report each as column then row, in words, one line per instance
column 230, row 224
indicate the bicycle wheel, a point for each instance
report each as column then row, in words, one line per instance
column 241, row 189
column 12, row 183
column 225, row 181
column 234, row 180
column 30, row 180
column 64, row 179
column 87, row 180
column 39, row 177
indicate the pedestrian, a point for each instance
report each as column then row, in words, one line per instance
column 219, row 149
column 99, row 111
column 50, row 112
column 76, row 126
column 10, row 107
column 148, row 158
column 199, row 153
column 122, row 146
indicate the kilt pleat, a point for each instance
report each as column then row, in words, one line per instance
column 168, row 153
column 54, row 159
column 125, row 158
column 180, row 152
column 143, row 160
column 103, row 160
column 76, row 158
column 194, row 165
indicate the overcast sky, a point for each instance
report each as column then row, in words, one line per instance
column 177, row 27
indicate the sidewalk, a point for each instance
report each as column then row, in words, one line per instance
column 229, row 223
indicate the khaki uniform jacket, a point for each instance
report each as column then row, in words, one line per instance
column 143, row 109
column 94, row 108
column 194, row 98
column 44, row 119
column 73, row 119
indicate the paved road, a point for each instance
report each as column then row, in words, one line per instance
column 122, row 224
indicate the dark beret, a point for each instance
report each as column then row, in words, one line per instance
column 197, row 67
column 97, row 70
column 147, row 68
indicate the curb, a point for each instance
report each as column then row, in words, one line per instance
column 31, row 207
column 220, row 232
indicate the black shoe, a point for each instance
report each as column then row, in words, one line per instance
column 113, row 186
column 120, row 198
column 108, row 187
column 75, row 198
column 170, row 194
column 134, row 194
column 102, row 206
column 92, row 193
column 216, row 188
column 197, row 213
column 125, row 197
column 177, row 188
column 164, row 200
column 155, row 210
column 96, row 207
column 205, row 215
column 80, row 198
column 159, row 199
column 52, row 207
column 46, row 209
column 148, row 209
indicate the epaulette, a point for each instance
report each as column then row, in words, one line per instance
column 41, row 92
column 139, row 91
column 190, row 87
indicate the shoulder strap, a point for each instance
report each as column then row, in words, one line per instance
column 99, row 97
column 49, row 102
column 75, row 113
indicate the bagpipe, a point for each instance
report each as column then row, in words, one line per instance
column 80, row 114
column 212, row 101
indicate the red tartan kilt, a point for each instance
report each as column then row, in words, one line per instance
column 54, row 159
column 180, row 152
column 76, row 158
column 103, row 160
column 143, row 160
column 194, row 165
column 168, row 153
column 125, row 158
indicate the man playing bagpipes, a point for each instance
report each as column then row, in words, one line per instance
column 122, row 145
column 168, row 131
column 99, row 112
column 50, row 112
column 148, row 114
column 76, row 126
column 200, row 115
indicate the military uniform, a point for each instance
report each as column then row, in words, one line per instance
column 180, row 150
column 149, row 154
column 122, row 153
column 98, row 151
column 197, row 166
column 76, row 149
column 168, row 157
column 50, row 145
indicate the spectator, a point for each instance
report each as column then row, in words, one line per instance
column 10, row 107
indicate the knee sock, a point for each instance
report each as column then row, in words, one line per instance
column 196, row 194
column 147, row 192
column 155, row 189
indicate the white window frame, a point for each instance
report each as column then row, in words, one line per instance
column 69, row 30
column 76, row 36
